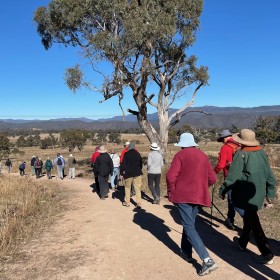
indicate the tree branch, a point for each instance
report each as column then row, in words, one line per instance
column 186, row 105
column 178, row 118
column 135, row 113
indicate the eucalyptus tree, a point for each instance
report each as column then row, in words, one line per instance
column 144, row 41
column 4, row 146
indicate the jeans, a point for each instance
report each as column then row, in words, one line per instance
column 103, row 185
column 114, row 178
column 137, row 182
column 252, row 224
column 190, row 237
column 72, row 172
column 154, row 184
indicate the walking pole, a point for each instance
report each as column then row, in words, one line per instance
column 213, row 205
column 212, row 202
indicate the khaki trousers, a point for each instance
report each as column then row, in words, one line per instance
column 137, row 182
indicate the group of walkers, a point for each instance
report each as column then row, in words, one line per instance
column 248, row 182
column 126, row 168
column 37, row 166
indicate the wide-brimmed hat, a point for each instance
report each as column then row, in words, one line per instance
column 154, row 147
column 246, row 137
column 126, row 144
column 223, row 134
column 70, row 155
column 102, row 149
column 186, row 140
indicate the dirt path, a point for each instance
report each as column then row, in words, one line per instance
column 97, row 239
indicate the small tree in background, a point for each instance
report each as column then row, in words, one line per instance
column 4, row 146
column 73, row 138
column 21, row 142
column 114, row 137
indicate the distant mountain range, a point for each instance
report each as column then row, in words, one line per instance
column 220, row 117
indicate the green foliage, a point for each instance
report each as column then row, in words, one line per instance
column 114, row 137
column 145, row 43
column 4, row 146
column 101, row 137
column 21, row 142
column 73, row 138
column 268, row 129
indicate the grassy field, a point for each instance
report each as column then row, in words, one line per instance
column 25, row 206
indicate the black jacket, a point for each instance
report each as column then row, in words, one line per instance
column 103, row 165
column 131, row 164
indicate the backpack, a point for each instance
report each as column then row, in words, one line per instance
column 235, row 147
column 37, row 164
column 59, row 161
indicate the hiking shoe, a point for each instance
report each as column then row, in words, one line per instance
column 102, row 197
column 229, row 225
column 207, row 267
column 265, row 259
column 187, row 258
column 236, row 241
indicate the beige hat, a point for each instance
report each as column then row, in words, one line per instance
column 126, row 143
column 70, row 155
column 246, row 137
column 102, row 149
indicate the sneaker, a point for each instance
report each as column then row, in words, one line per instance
column 102, row 198
column 229, row 225
column 155, row 201
column 187, row 258
column 265, row 259
column 207, row 267
column 236, row 241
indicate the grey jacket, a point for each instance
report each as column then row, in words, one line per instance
column 155, row 162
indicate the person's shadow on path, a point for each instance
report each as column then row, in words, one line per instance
column 225, row 249
column 156, row 227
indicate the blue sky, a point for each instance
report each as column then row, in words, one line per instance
column 238, row 40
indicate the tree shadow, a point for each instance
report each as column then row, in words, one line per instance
column 225, row 249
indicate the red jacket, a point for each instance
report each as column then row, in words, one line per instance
column 122, row 154
column 189, row 177
column 95, row 155
column 226, row 155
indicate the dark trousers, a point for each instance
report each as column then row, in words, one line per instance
column 154, row 184
column 231, row 209
column 37, row 172
column 104, row 185
column 21, row 172
column 97, row 187
column 252, row 224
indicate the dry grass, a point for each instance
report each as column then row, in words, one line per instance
column 24, row 206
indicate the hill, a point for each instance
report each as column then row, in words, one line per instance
column 219, row 117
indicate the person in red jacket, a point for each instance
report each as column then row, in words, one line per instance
column 224, row 161
column 92, row 160
column 188, row 180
